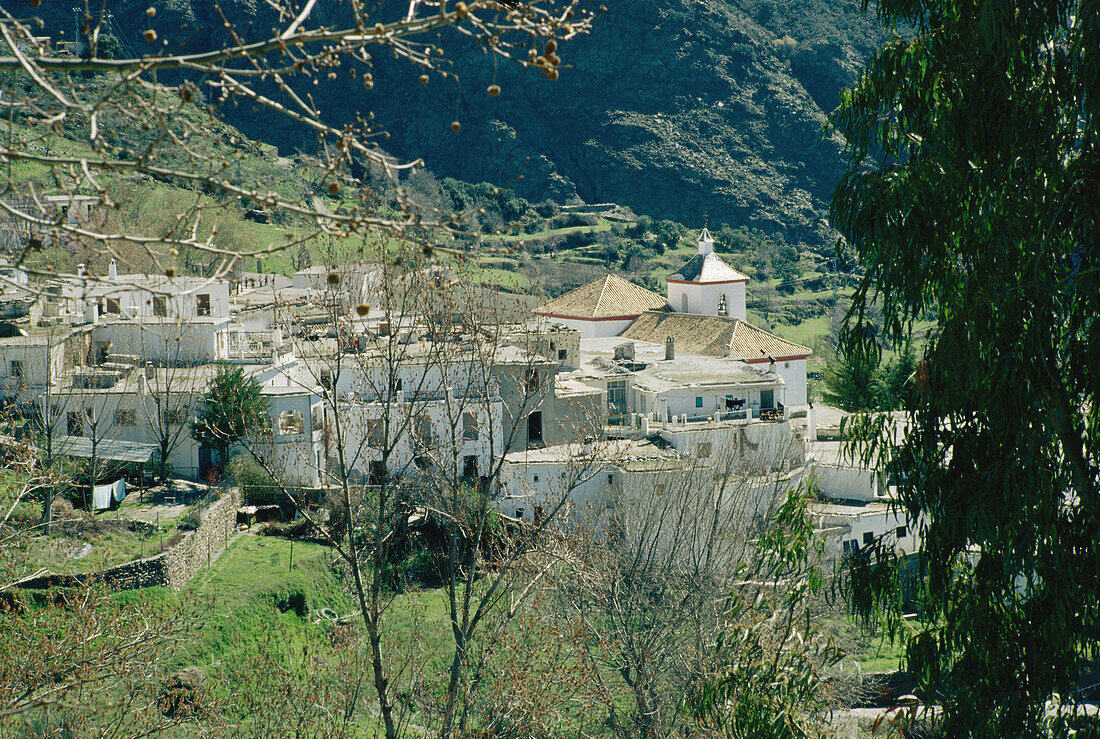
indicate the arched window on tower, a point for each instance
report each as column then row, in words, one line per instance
column 684, row 303
column 723, row 306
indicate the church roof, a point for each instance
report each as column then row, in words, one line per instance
column 607, row 297
column 707, row 268
column 713, row 336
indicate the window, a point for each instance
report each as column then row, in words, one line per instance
column 16, row 368
column 562, row 355
column 534, row 428
column 519, row 513
column 851, row 546
column 616, row 396
column 469, row 466
column 375, row 436
column 326, row 378
column 723, row 305
column 291, row 422
column 610, row 478
column 552, row 346
column 75, row 423
column 175, row 416
column 202, row 304
column 901, row 532
column 534, row 382
column 698, row 401
column 702, row 450
column 786, row 365
column 111, row 305
column 868, row 538
column 124, row 418
column 536, row 478
column 469, row 426
column 160, row 306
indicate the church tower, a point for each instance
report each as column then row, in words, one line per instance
column 706, row 285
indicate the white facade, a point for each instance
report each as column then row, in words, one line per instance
column 138, row 296
column 594, row 328
column 793, row 372
column 459, row 437
column 706, row 285
column 712, row 299
column 165, row 341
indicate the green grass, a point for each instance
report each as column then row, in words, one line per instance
column 55, row 552
column 805, row 332
column 502, row 277
column 600, row 227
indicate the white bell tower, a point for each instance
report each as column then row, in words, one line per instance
column 706, row 285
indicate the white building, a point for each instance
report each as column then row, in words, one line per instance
column 139, row 296
column 730, row 338
column 706, row 285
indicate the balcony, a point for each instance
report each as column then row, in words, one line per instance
column 628, row 425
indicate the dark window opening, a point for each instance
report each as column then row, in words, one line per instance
column 902, row 532
column 534, row 382
column 469, row 466
column 469, row 426
column 112, row 305
column 202, row 304
column 160, row 306
column 75, row 424
column 868, row 538
column 534, row 428
column 377, row 473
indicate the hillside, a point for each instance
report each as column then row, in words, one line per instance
column 685, row 109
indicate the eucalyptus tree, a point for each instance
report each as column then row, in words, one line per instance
column 971, row 199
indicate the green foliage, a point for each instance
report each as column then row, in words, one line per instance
column 862, row 381
column 974, row 163
column 853, row 382
column 232, row 409
column 257, row 486
column 770, row 682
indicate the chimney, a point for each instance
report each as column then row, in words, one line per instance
column 112, row 270
column 670, row 348
column 81, row 271
column 588, row 444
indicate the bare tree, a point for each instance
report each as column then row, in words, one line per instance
column 271, row 70
column 167, row 395
column 415, row 424
column 654, row 584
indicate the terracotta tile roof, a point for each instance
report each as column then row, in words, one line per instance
column 608, row 297
column 713, row 336
column 707, row 268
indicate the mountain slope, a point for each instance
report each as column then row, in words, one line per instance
column 682, row 109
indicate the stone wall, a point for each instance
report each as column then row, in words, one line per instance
column 172, row 568
column 199, row 547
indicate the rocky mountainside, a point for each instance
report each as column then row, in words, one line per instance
column 681, row 109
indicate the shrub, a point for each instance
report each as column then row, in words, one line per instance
column 257, row 486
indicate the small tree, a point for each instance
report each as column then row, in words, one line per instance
column 232, row 409
column 853, row 383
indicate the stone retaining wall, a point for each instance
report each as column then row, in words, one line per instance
column 172, row 568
